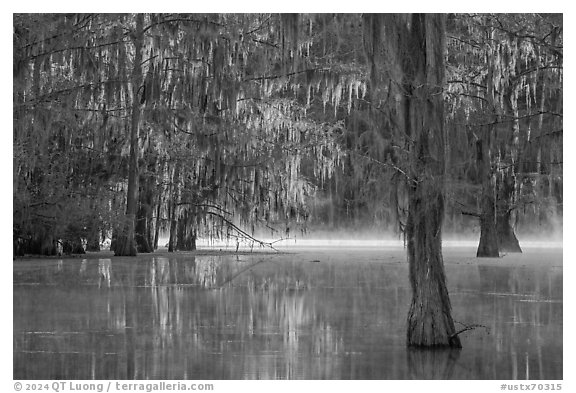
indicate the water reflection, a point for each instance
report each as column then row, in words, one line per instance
column 434, row 364
column 274, row 317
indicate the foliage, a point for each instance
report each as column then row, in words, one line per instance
column 253, row 122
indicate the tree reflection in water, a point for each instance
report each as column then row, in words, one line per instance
column 273, row 317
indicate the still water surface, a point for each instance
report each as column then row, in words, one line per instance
column 309, row 314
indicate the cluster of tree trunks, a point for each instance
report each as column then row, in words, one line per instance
column 45, row 244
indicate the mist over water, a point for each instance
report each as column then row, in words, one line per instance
column 314, row 313
column 343, row 242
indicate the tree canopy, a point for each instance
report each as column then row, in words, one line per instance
column 130, row 126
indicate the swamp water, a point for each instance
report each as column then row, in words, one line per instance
column 308, row 314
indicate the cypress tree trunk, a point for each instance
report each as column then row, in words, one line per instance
column 172, row 204
column 160, row 193
column 93, row 243
column 430, row 321
column 126, row 242
column 181, row 233
column 173, row 222
column 144, row 219
column 41, row 243
column 93, row 236
column 142, row 231
column 158, row 221
column 113, row 239
column 507, row 179
column 186, row 235
column 73, row 246
column 193, row 241
column 507, row 240
column 488, row 246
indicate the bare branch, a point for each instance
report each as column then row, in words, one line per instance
column 241, row 232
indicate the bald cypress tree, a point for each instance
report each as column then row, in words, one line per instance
column 127, row 241
column 429, row 320
column 407, row 56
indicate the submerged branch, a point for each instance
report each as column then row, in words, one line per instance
column 240, row 272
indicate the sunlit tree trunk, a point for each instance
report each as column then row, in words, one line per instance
column 126, row 243
column 430, row 321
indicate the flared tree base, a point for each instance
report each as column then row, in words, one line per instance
column 488, row 246
column 507, row 240
column 429, row 326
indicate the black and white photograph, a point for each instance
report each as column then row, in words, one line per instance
column 231, row 196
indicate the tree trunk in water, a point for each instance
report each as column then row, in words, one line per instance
column 73, row 246
column 126, row 242
column 488, row 246
column 173, row 222
column 193, row 241
column 41, row 243
column 181, row 233
column 144, row 219
column 507, row 240
column 159, row 191
column 113, row 239
column 142, row 231
column 430, row 321
column 186, row 235
column 172, row 207
column 93, row 244
column 93, row 237
column 507, row 178
column 158, row 221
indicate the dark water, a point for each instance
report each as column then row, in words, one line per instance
column 284, row 316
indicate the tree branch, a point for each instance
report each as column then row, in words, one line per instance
column 261, row 78
column 241, row 232
column 469, row 327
